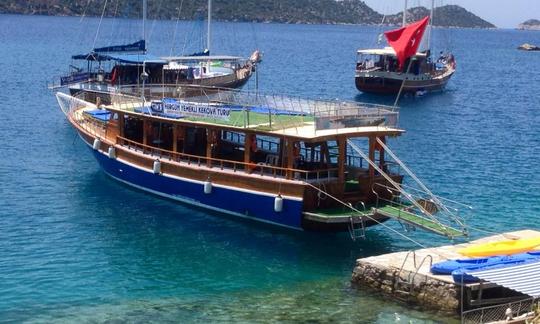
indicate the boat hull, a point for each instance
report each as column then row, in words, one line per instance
column 222, row 199
column 391, row 86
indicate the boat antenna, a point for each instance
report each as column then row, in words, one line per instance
column 208, row 35
column 405, row 15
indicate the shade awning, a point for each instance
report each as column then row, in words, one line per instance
column 523, row 278
column 121, row 58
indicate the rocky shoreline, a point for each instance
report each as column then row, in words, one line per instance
column 347, row 12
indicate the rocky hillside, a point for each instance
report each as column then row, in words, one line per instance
column 283, row 11
column 531, row 24
column 445, row 16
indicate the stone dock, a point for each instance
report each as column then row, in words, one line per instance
column 406, row 276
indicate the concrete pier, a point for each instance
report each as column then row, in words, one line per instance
column 406, row 276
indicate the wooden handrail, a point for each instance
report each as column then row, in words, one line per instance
column 120, row 140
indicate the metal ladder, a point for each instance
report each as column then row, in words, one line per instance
column 356, row 232
column 409, row 283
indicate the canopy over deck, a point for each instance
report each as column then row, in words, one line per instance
column 389, row 51
column 203, row 58
column 276, row 115
column 121, row 58
column 522, row 278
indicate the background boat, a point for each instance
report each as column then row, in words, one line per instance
column 380, row 71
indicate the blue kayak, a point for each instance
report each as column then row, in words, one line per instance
column 448, row 267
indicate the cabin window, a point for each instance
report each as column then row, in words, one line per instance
column 133, row 129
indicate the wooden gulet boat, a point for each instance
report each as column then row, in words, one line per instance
column 401, row 68
column 275, row 159
column 123, row 68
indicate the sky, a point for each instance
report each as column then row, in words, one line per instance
column 501, row 13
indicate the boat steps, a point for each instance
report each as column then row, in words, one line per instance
column 403, row 215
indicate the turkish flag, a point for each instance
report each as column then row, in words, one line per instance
column 405, row 40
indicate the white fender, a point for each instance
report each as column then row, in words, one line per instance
column 97, row 144
column 157, row 167
column 278, row 204
column 207, row 187
column 112, row 152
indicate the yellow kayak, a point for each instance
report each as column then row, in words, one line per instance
column 501, row 247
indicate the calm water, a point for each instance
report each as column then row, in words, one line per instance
column 77, row 246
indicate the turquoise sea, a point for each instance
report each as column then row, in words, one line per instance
column 76, row 246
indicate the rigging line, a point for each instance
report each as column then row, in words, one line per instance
column 79, row 33
column 114, row 21
column 156, row 17
column 371, row 218
column 176, row 28
column 99, row 26
column 84, row 11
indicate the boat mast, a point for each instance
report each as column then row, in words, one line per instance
column 405, row 15
column 209, row 25
column 430, row 24
column 144, row 9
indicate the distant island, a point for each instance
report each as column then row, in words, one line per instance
column 283, row 11
column 531, row 24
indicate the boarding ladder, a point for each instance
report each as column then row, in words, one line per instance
column 410, row 207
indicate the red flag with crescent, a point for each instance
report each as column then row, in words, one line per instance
column 405, row 40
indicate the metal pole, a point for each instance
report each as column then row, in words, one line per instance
column 405, row 14
column 144, row 10
column 430, row 24
column 208, row 36
column 403, row 82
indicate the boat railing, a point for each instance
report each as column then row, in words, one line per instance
column 502, row 313
column 275, row 104
column 261, row 169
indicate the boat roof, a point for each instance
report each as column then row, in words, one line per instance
column 121, row 58
column 203, row 58
column 384, row 51
column 274, row 115
column 524, row 278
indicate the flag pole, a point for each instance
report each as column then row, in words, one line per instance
column 403, row 82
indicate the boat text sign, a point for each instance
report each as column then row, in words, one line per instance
column 190, row 109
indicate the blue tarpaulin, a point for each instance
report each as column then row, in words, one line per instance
column 103, row 115
column 139, row 46
column 121, row 58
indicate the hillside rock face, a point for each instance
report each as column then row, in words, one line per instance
column 531, row 24
column 445, row 16
column 281, row 11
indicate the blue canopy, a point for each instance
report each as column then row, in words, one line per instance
column 121, row 58
column 139, row 46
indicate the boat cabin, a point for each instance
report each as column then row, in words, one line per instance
column 385, row 60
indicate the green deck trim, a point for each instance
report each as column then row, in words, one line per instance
column 419, row 221
column 340, row 212
column 257, row 121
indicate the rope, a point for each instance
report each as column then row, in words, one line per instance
column 371, row 218
column 99, row 26
column 114, row 21
column 176, row 28
column 156, row 17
